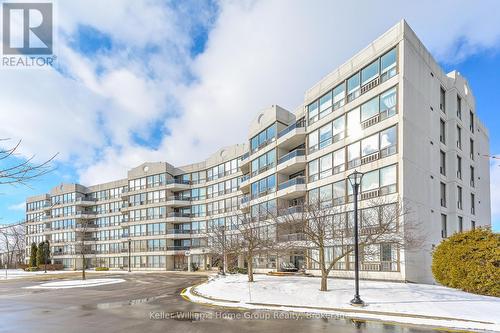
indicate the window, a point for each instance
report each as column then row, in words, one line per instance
column 442, row 99
column 459, row 167
column 473, row 225
column 460, row 224
column 263, row 162
column 325, row 105
column 325, row 166
column 313, row 170
column 370, row 181
column 261, row 139
column 339, row 192
column 388, row 65
column 354, row 124
column 443, row 194
column 312, row 111
column 369, row 109
column 459, row 107
column 444, row 229
column 388, row 103
column 338, row 161
column 472, row 204
column 388, row 141
column 369, row 145
column 263, row 186
column 313, row 141
column 369, row 73
column 388, row 180
column 472, row 176
column 325, row 195
column 353, row 87
column 459, row 197
column 338, row 129
column 339, row 96
column 471, row 149
column 459, row 137
column 442, row 163
column 471, row 121
column 353, row 155
column 325, row 135
column 442, row 131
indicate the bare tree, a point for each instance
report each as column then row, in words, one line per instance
column 12, row 243
column 82, row 245
column 221, row 242
column 20, row 173
column 328, row 231
column 254, row 236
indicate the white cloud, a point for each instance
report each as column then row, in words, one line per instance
column 258, row 53
column 19, row 206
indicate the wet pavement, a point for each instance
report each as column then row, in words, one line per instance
column 151, row 303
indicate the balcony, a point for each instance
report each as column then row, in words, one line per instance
column 292, row 136
column 178, row 201
column 291, row 238
column 178, row 248
column 245, row 183
column 85, row 201
column 292, row 188
column 178, row 184
column 179, row 217
column 292, row 162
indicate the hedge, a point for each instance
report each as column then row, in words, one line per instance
column 102, row 269
column 469, row 261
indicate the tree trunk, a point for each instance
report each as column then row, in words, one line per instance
column 250, row 269
column 324, row 282
column 83, row 268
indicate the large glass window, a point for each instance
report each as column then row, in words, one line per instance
column 369, row 109
column 388, row 65
column 354, row 124
column 338, row 161
column 388, row 141
column 388, row 176
column 369, row 145
column 312, row 111
column 370, row 181
column 260, row 140
column 325, row 166
column 325, row 135
column 353, row 87
column 353, row 155
column 369, row 73
column 325, row 104
column 388, row 103
column 339, row 192
column 313, row 141
column 338, row 128
column 339, row 96
column 313, row 170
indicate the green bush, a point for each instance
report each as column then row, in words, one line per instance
column 469, row 261
column 102, row 269
column 31, row 269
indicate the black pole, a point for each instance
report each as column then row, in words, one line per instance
column 45, row 255
column 129, row 243
column 356, row 300
column 223, row 250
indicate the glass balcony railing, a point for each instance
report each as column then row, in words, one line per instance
column 291, row 182
column 292, row 154
column 299, row 124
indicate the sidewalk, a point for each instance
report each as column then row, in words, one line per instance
column 415, row 304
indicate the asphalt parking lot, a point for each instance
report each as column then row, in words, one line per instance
column 149, row 303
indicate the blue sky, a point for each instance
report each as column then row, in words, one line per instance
column 175, row 80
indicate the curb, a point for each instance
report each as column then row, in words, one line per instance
column 354, row 314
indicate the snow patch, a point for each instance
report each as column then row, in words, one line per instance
column 76, row 283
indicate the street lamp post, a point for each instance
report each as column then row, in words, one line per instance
column 223, row 250
column 46, row 252
column 355, row 180
column 129, row 244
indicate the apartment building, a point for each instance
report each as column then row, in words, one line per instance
column 389, row 112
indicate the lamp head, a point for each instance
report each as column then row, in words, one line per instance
column 355, row 178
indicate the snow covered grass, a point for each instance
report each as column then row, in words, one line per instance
column 402, row 302
column 66, row 284
column 19, row 273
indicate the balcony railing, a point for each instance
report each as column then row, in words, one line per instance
column 291, row 237
column 179, row 214
column 292, row 182
column 178, row 248
column 292, row 154
column 178, row 231
column 299, row 124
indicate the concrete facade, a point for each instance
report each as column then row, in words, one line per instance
column 381, row 113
